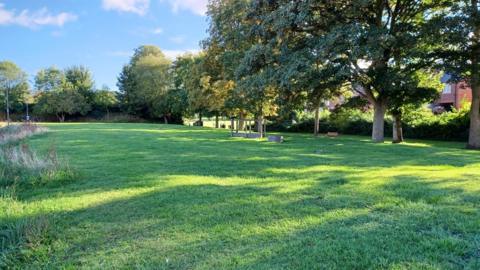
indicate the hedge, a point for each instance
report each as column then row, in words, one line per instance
column 450, row 126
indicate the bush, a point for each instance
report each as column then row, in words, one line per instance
column 452, row 126
column 417, row 124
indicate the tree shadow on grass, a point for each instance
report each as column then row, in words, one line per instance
column 140, row 156
column 325, row 226
column 307, row 203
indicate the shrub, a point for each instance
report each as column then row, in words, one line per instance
column 417, row 124
column 423, row 124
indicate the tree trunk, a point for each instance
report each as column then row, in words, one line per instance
column 474, row 132
column 8, row 106
column 108, row 114
column 316, row 129
column 379, row 108
column 165, row 119
column 397, row 128
column 61, row 117
column 241, row 121
column 260, row 125
column 216, row 120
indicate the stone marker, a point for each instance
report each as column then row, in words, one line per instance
column 275, row 138
column 332, row 134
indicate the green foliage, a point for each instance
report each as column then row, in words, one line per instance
column 453, row 36
column 13, row 80
column 296, row 54
column 105, row 99
column 81, row 80
column 424, row 124
column 145, row 85
column 192, row 71
column 64, row 93
column 49, row 79
column 418, row 123
column 61, row 103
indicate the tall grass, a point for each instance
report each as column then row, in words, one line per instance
column 15, row 133
column 20, row 168
column 20, row 165
column 22, row 239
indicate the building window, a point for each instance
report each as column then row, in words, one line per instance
column 447, row 89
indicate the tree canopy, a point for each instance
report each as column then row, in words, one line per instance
column 13, row 87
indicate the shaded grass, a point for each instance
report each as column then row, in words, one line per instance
column 169, row 197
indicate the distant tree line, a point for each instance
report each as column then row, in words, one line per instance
column 57, row 93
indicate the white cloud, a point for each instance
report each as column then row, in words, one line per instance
column 56, row 33
column 172, row 54
column 157, row 31
column 177, row 39
column 198, row 7
column 34, row 19
column 120, row 53
column 139, row 7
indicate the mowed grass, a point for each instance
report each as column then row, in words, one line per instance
column 171, row 197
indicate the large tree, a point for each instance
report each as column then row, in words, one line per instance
column 144, row 83
column 225, row 48
column 13, row 86
column 59, row 96
column 194, row 83
column 455, row 37
column 105, row 99
column 408, row 93
column 291, row 34
column 49, row 79
column 62, row 103
column 384, row 41
column 82, row 81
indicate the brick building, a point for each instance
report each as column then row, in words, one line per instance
column 454, row 94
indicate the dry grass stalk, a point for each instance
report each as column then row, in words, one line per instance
column 16, row 133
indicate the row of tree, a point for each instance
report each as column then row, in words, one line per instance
column 265, row 57
column 58, row 93
column 151, row 86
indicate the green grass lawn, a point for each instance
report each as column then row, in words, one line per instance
column 172, row 197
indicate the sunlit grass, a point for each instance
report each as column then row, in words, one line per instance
column 173, row 197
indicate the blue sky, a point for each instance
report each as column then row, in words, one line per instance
column 99, row 34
